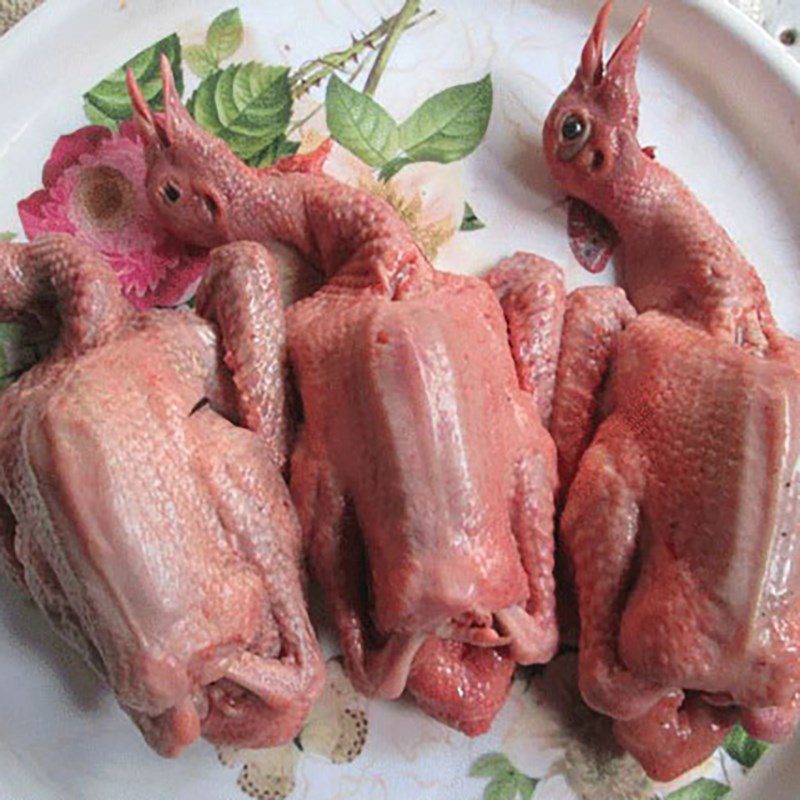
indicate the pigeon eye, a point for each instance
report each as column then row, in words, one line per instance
column 171, row 193
column 572, row 127
column 575, row 132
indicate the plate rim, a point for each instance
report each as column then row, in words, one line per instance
column 742, row 30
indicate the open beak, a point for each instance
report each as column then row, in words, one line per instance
column 159, row 128
column 622, row 64
column 174, row 111
column 142, row 114
column 621, row 67
column 591, row 68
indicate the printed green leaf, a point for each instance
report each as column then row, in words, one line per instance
column 97, row 117
column 279, row 148
column 20, row 349
column 743, row 748
column 526, row 786
column 6, row 333
column 7, row 236
column 503, row 787
column 391, row 169
column 490, row 765
column 470, row 221
column 449, row 125
column 701, row 789
column 358, row 123
column 248, row 105
column 107, row 103
column 200, row 60
column 225, row 35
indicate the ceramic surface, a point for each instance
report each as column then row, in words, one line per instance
column 735, row 141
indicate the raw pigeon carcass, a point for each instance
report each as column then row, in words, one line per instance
column 681, row 520
column 424, row 477
column 157, row 536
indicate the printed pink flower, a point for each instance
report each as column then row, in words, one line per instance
column 94, row 190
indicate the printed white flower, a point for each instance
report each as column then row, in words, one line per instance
column 337, row 725
column 336, row 729
column 429, row 197
column 266, row 774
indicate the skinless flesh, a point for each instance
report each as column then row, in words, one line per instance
column 423, row 476
column 681, row 520
column 157, row 536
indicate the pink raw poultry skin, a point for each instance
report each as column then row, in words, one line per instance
column 159, row 538
column 395, row 458
column 423, row 477
column 682, row 520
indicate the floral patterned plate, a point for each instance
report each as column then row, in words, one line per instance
column 437, row 109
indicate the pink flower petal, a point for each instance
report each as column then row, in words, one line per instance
column 95, row 190
column 129, row 129
column 179, row 283
column 69, row 148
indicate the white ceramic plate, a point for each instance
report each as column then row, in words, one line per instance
column 721, row 102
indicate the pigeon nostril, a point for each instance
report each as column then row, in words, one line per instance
column 598, row 159
column 171, row 193
column 211, row 205
column 199, row 405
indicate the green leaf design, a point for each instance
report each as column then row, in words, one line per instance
column 8, row 332
column 7, row 236
column 526, row 786
column 490, row 765
column 743, row 748
column 503, row 787
column 446, row 127
column 507, row 782
column 391, row 169
column 279, row 148
column 470, row 221
column 200, row 60
column 225, row 35
column 359, row 123
column 701, row 789
column 5, row 367
column 97, row 117
column 449, row 125
column 20, row 349
column 247, row 105
column 107, row 103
